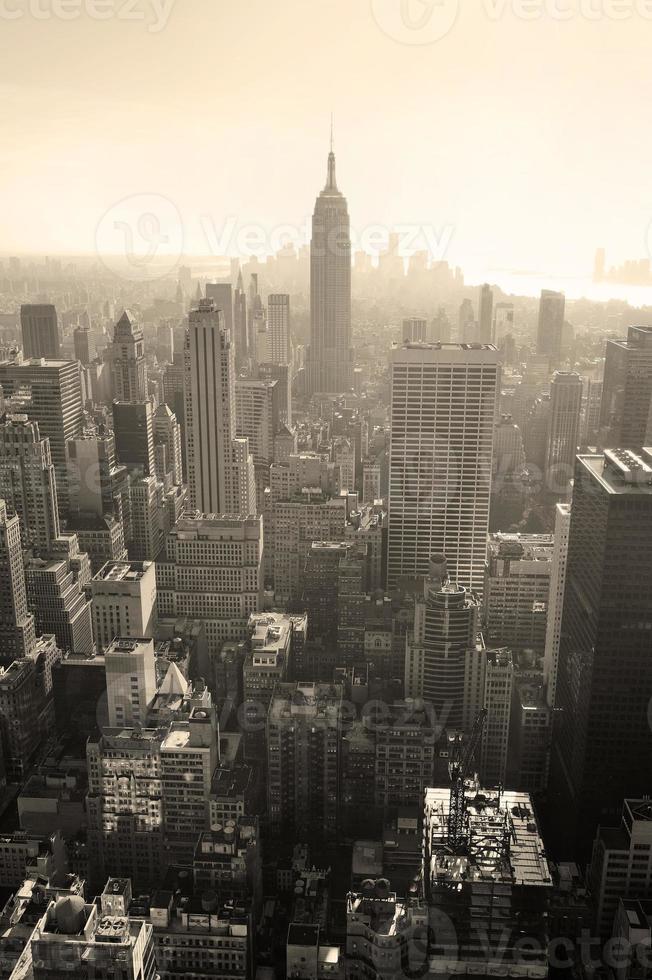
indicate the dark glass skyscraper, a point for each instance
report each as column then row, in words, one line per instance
column 602, row 746
column 330, row 355
column 626, row 411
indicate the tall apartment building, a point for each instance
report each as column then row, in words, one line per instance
column 626, row 412
column 556, row 600
column 303, row 747
column 167, row 446
column 58, row 603
column 282, row 373
column 98, row 484
column 269, row 659
column 552, row 310
column 563, row 430
column 370, row 481
column 39, row 326
column 621, row 863
column 156, row 819
column 278, row 322
column 442, row 424
column 149, row 519
column 55, row 403
column 124, row 768
column 293, row 524
column 27, row 480
column 130, row 680
column 602, row 750
column 212, row 569
column 446, row 626
column 405, row 737
column 498, row 691
column 127, row 356
column 84, row 345
column 189, row 756
column 258, row 416
column 17, row 630
column 26, row 705
column 123, row 597
column 516, row 590
column 219, row 465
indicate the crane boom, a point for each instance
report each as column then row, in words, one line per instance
column 459, row 770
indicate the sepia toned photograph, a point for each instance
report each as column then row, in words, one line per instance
column 325, row 490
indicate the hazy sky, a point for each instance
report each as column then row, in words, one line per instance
column 526, row 142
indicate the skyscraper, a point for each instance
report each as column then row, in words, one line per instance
column 55, row 403
column 415, row 330
column 220, row 468
column 84, row 343
column 602, row 750
column 27, row 480
column 330, row 355
column 446, row 625
column 167, row 445
column 127, row 355
column 133, row 427
column 626, row 413
column 258, row 417
column 485, row 315
column 442, row 427
column 240, row 323
column 552, row 308
column 123, row 595
column 212, row 570
column 17, row 632
column 556, row 601
column 563, row 430
column 222, row 294
column 278, row 323
column 130, row 680
column 40, row 329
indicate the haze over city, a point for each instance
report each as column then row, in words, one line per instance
column 514, row 136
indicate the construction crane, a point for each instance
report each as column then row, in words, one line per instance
column 459, row 769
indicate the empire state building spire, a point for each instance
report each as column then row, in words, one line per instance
column 330, row 356
column 331, row 182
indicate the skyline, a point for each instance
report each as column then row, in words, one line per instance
column 440, row 160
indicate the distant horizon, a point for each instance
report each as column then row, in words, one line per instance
column 511, row 282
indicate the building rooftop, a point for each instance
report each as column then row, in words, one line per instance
column 505, row 842
column 620, row 471
column 122, row 571
column 310, row 700
column 300, row 934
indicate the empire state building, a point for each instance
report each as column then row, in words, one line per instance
column 330, row 355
